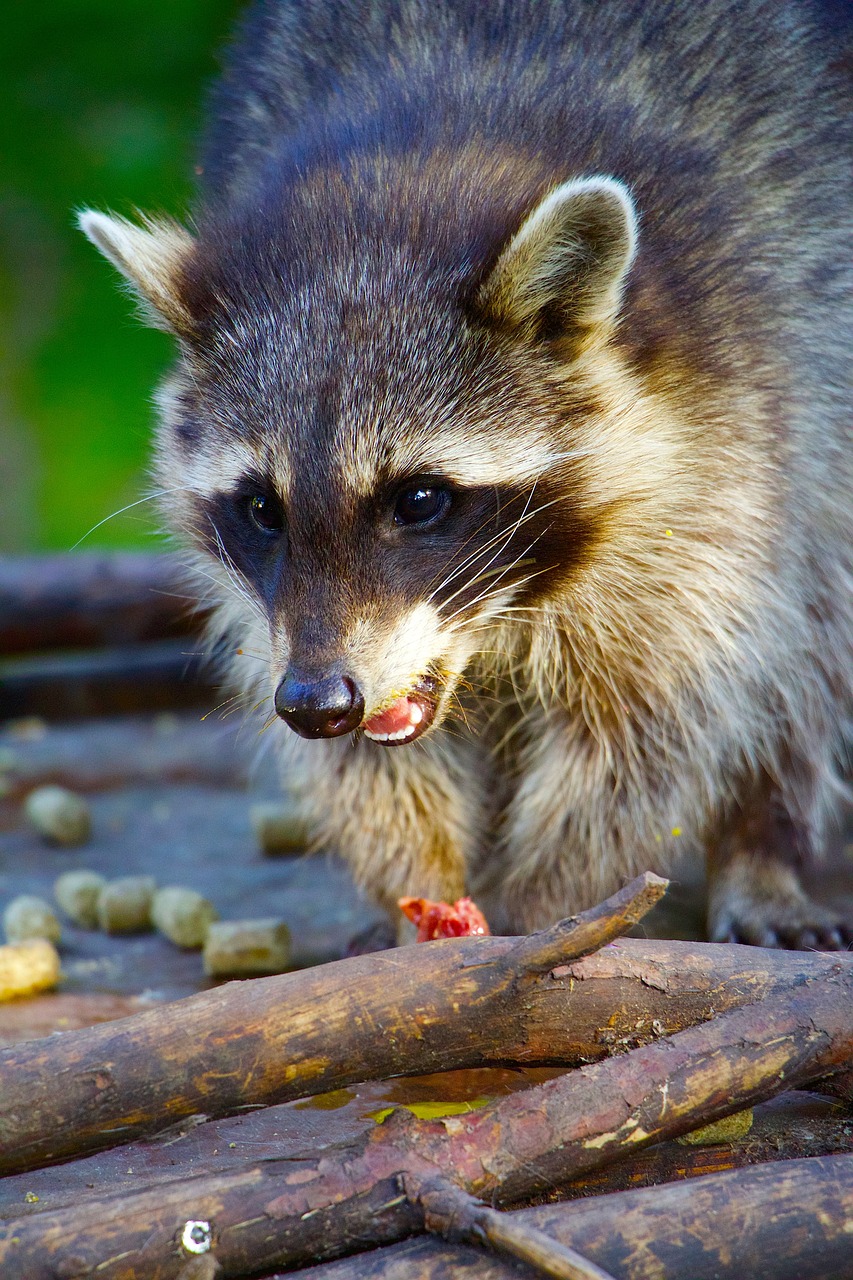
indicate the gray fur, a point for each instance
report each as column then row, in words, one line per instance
column 658, row 391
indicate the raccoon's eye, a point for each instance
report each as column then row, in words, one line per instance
column 422, row 504
column 266, row 514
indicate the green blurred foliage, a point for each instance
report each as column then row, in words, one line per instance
column 100, row 105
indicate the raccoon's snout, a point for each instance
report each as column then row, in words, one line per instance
column 319, row 706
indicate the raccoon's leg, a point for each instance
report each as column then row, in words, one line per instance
column 404, row 818
column 754, row 861
column 566, row 841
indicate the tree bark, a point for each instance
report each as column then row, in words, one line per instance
column 457, row 1003
column 283, row 1213
column 786, row 1221
column 131, row 680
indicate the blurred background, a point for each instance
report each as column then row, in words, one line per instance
column 100, row 104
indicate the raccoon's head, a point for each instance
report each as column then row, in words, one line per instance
column 374, row 434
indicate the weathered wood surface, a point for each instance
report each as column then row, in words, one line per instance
column 375, row 1189
column 50, row 1012
column 776, row 1222
column 92, row 599
column 170, row 797
column 271, row 1038
column 462, row 1002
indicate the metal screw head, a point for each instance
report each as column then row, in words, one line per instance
column 197, row 1237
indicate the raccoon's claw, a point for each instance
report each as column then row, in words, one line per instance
column 765, row 906
column 787, row 938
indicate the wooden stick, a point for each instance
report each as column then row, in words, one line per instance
column 794, row 1125
column 455, row 1215
column 580, row 935
column 133, row 679
column 282, row 1213
column 786, row 1221
column 125, row 752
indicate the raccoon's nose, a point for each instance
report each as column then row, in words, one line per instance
column 319, row 707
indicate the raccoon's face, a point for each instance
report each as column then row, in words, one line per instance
column 372, row 450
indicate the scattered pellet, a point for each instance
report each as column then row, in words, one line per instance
column 729, row 1129
column 183, row 915
column 27, row 729
column 30, row 917
column 124, row 905
column 59, row 815
column 77, row 894
column 28, row 967
column 279, row 828
column 239, row 948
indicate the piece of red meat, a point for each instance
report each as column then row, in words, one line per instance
column 443, row 920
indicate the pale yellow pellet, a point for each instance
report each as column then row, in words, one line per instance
column 30, row 917
column 183, row 915
column 59, row 815
column 244, row 948
column 27, row 968
column 124, row 905
column 279, row 828
column 77, row 894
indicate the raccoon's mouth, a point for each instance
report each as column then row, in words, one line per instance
column 407, row 718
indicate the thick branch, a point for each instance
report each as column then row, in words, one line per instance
column 457, row 1216
column 92, row 598
column 784, row 1221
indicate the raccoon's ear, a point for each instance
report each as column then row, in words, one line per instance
column 149, row 258
column 562, row 273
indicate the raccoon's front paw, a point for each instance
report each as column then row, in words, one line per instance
column 762, row 903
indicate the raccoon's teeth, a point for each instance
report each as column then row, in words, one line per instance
column 404, row 719
column 399, row 736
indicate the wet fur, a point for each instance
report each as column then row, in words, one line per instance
column 668, row 651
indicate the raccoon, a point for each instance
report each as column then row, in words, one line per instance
column 510, row 423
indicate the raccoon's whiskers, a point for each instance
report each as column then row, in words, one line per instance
column 507, row 537
column 235, row 697
column 235, row 578
column 473, row 556
column 268, row 723
column 232, row 588
column 487, row 595
column 149, row 497
column 242, row 652
column 503, row 534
